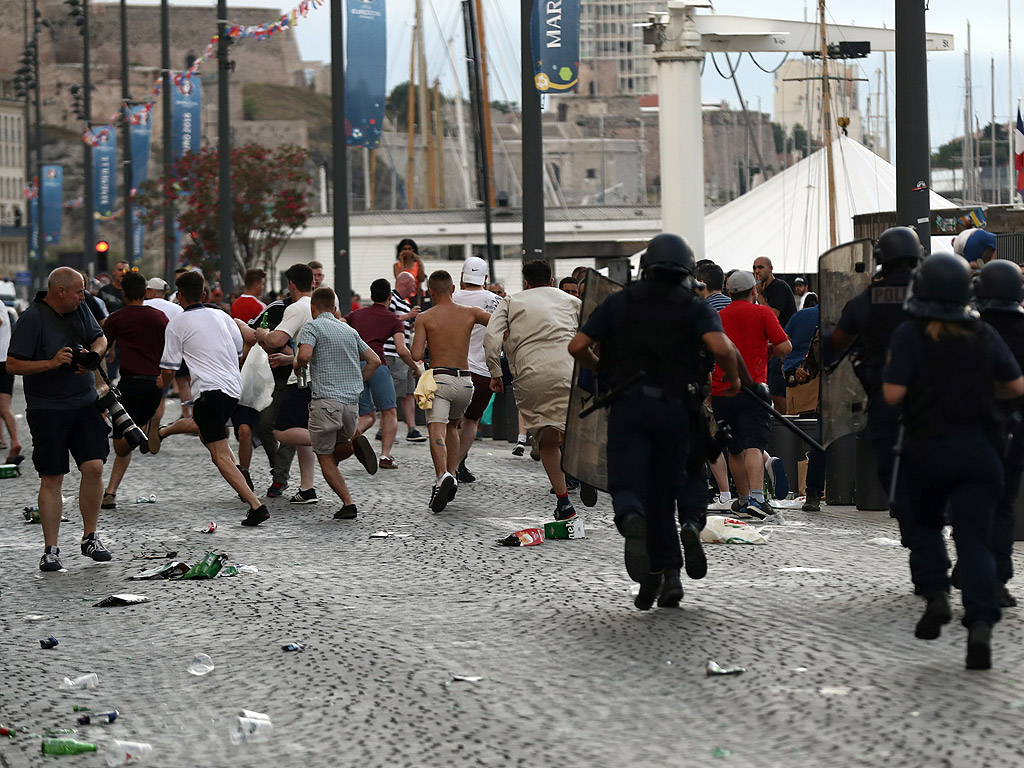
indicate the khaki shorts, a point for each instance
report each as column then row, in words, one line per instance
column 451, row 399
column 330, row 423
column 401, row 375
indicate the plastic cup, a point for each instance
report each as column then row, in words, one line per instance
column 250, row 730
column 253, row 715
column 201, row 664
column 126, row 752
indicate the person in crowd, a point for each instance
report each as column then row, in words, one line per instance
column 977, row 246
column 112, row 293
column 756, row 332
column 650, row 422
column 497, row 289
column 570, row 285
column 710, row 275
column 156, row 290
column 539, row 323
column 472, row 293
column 446, row 329
column 249, row 305
column 209, row 341
column 7, row 391
column 48, row 346
column 378, row 325
column 778, row 297
column 800, row 291
column 801, row 397
column 138, row 331
column 407, row 259
column 402, row 376
column 951, row 467
column 333, row 351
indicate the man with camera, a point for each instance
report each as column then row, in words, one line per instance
column 137, row 333
column 56, row 345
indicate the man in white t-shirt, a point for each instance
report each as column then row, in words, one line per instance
column 156, row 289
column 472, row 293
column 7, row 389
column 208, row 341
column 292, row 425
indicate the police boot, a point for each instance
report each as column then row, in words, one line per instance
column 936, row 613
column 979, row 646
column 671, row 589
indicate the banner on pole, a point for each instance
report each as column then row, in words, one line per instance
column 33, row 213
column 104, row 173
column 186, row 110
column 366, row 73
column 555, row 39
column 53, row 203
column 141, row 130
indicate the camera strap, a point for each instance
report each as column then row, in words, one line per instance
column 62, row 325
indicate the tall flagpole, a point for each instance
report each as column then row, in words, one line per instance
column 1011, row 119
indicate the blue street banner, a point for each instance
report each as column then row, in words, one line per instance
column 141, row 129
column 186, row 105
column 104, row 172
column 53, row 203
column 365, row 76
column 555, row 39
column 33, row 213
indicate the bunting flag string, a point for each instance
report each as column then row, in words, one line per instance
column 256, row 32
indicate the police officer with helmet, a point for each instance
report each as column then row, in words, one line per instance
column 652, row 336
column 864, row 328
column 947, row 369
column 999, row 291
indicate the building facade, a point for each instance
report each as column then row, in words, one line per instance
column 13, row 243
column 610, row 46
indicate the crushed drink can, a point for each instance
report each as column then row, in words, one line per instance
column 293, row 647
column 10, row 470
column 565, row 529
column 151, row 499
column 50, row 642
column 528, row 537
column 31, row 514
column 210, row 527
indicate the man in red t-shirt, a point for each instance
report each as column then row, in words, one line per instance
column 248, row 305
column 138, row 333
column 377, row 324
column 756, row 332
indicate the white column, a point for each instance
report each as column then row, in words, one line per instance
column 681, row 128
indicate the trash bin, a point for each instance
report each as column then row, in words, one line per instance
column 841, row 472
column 870, row 493
column 791, row 449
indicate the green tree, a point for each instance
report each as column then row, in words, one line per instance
column 779, row 134
column 271, row 191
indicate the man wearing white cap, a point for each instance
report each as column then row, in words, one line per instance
column 472, row 293
column 156, row 290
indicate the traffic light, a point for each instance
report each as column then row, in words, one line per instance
column 102, row 246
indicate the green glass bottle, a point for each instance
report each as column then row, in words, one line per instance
column 66, row 747
column 265, row 322
column 208, row 567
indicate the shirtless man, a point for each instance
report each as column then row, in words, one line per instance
column 446, row 328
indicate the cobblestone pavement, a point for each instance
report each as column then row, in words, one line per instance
column 572, row 674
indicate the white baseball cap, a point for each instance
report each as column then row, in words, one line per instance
column 156, row 284
column 474, row 271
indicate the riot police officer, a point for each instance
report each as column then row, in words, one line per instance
column 866, row 323
column 999, row 291
column 651, row 372
column 947, row 368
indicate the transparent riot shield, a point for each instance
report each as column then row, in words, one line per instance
column 843, row 272
column 583, row 450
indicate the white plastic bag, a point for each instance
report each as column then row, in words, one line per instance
column 257, row 380
column 725, row 530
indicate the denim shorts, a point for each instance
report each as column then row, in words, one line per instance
column 378, row 392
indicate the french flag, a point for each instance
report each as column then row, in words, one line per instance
column 1018, row 153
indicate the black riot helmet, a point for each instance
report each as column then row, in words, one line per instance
column 941, row 289
column 898, row 244
column 999, row 287
column 668, row 257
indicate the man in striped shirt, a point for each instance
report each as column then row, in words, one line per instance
column 402, row 376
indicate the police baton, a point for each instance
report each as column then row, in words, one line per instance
column 782, row 419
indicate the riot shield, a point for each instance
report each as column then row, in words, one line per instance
column 583, row 450
column 843, row 272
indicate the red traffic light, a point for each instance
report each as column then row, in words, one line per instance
column 102, row 246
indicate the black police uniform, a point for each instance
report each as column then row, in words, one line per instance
column 653, row 328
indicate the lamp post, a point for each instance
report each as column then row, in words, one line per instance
column 24, row 84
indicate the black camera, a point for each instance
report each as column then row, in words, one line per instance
column 86, row 358
column 111, row 403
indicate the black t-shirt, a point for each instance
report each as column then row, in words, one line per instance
column 778, row 295
column 113, row 297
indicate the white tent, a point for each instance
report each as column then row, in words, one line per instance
column 786, row 218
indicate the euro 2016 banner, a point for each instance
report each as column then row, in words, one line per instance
column 365, row 76
column 186, row 104
column 555, row 38
column 104, row 172
column 53, row 203
column 141, row 130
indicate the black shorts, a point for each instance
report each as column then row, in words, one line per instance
column 776, row 378
column 749, row 423
column 140, row 396
column 481, row 397
column 245, row 415
column 182, row 373
column 82, row 432
column 294, row 409
column 6, row 380
column 211, row 412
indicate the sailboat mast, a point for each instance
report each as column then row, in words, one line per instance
column 410, row 179
column 826, row 114
column 423, row 103
column 485, row 98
